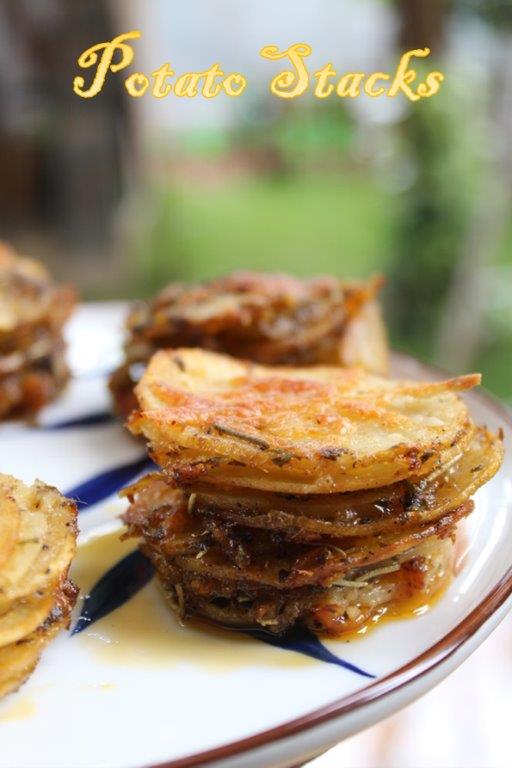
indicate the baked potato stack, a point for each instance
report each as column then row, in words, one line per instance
column 33, row 311
column 320, row 495
column 37, row 543
column 269, row 318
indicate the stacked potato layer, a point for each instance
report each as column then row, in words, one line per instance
column 33, row 311
column 37, row 544
column 320, row 495
column 268, row 318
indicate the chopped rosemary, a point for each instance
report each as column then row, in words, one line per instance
column 348, row 583
column 282, row 458
column 379, row 571
column 224, row 430
column 179, row 362
column 181, row 599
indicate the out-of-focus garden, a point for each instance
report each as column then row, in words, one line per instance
column 122, row 195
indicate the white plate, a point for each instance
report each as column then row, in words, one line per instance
column 136, row 689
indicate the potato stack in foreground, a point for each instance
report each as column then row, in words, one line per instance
column 33, row 311
column 269, row 318
column 37, row 542
column 320, row 495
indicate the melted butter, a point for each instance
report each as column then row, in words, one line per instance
column 144, row 631
column 403, row 610
column 98, row 687
column 22, row 709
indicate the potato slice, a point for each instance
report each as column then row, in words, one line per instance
column 273, row 319
column 213, row 419
column 46, row 540
column 29, row 297
column 18, row 660
column 261, row 561
column 25, row 615
column 360, row 513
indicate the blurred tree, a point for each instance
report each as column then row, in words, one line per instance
column 463, row 330
column 433, row 207
column 423, row 23
column 62, row 158
column 456, row 212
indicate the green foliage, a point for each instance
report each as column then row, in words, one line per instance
column 435, row 213
column 306, row 226
column 495, row 12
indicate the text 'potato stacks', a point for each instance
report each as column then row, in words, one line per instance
column 33, row 311
column 318, row 495
column 269, row 318
column 37, row 543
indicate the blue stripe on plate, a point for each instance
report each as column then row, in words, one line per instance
column 116, row 587
column 100, row 487
column 302, row 641
column 133, row 572
column 91, row 420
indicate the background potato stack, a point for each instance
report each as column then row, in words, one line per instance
column 318, row 495
column 269, row 318
column 37, row 543
column 33, row 311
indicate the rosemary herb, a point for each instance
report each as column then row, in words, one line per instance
column 179, row 362
column 282, row 458
column 225, row 430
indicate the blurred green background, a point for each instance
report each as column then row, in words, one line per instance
column 122, row 195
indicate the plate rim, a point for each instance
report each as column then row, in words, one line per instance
column 404, row 676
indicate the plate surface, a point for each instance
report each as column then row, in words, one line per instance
column 137, row 689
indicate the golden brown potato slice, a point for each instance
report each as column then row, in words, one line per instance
column 359, row 513
column 46, row 539
column 18, row 659
column 418, row 574
column 28, row 296
column 272, row 319
column 25, row 615
column 11, row 683
column 211, row 418
column 235, row 554
column 33, row 310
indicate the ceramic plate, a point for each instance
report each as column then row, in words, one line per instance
column 134, row 688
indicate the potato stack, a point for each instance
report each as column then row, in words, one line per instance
column 269, row 318
column 33, row 311
column 318, row 495
column 37, row 542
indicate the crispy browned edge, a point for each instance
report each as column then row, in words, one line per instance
column 399, row 679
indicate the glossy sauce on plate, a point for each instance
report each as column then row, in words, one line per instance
column 144, row 631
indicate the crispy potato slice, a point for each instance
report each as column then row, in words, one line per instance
column 420, row 573
column 25, row 615
column 46, row 539
column 18, row 659
column 360, row 513
column 33, row 311
column 213, row 419
column 260, row 559
column 11, row 683
column 272, row 319
column 28, row 296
